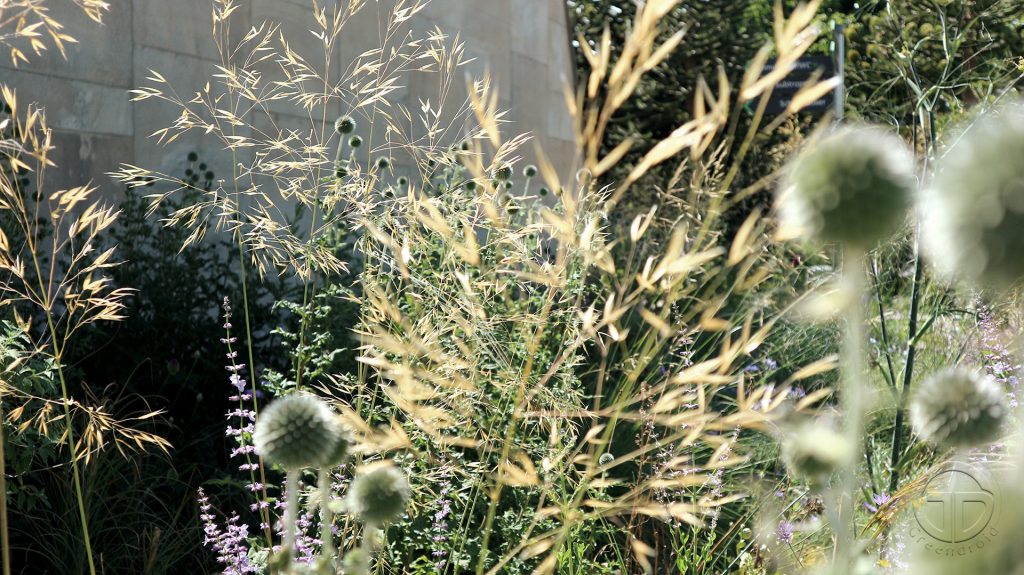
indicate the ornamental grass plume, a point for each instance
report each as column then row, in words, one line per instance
column 854, row 187
column 959, row 407
column 973, row 213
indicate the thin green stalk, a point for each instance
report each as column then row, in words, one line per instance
column 908, row 372
column 326, row 516
column 5, row 545
column 291, row 513
column 851, row 398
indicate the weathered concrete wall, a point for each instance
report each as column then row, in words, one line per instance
column 523, row 44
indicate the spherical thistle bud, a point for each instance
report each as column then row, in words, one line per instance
column 402, row 180
column 355, row 141
column 503, row 173
column 543, row 190
column 464, row 146
column 815, row 452
column 383, row 163
column 340, row 173
column 605, row 459
column 208, row 175
column 958, row 407
column 379, row 493
column 342, row 446
column 854, row 186
column 973, row 213
column 192, row 156
column 471, row 185
column 296, row 431
column 345, row 125
column 530, row 171
column 356, row 562
column 508, row 185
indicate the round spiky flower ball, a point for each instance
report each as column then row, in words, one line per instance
column 854, row 186
column 958, row 408
column 342, row 444
column 355, row 141
column 530, row 171
column 815, row 452
column 345, row 125
column 379, row 493
column 296, row 431
column 973, row 213
column 503, row 173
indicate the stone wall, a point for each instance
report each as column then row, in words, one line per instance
column 524, row 45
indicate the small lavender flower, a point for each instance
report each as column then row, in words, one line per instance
column 784, row 532
column 230, row 544
column 439, row 527
column 878, row 501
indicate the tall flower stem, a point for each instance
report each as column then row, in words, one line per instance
column 291, row 513
column 5, row 546
column 851, row 397
column 326, row 517
column 908, row 371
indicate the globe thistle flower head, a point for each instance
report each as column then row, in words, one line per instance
column 471, row 185
column 503, row 173
column 605, row 459
column 402, row 180
column 530, row 171
column 355, row 141
column 345, row 125
column 355, row 562
column 854, row 186
column 342, row 445
column 815, row 452
column 958, row 407
column 973, row 212
column 379, row 493
column 296, row 431
column 383, row 163
column 192, row 156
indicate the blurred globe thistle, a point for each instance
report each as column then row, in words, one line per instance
column 503, row 173
column 471, row 185
column 530, row 171
column 192, row 156
column 605, row 459
column 973, row 213
column 379, row 493
column 854, row 186
column 356, row 562
column 543, row 190
column 383, row 163
column 958, row 408
column 815, row 452
column 355, row 141
column 345, row 125
column 341, row 451
column 296, row 431
column 402, row 180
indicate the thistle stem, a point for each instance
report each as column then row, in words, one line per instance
column 326, row 516
column 5, row 545
column 851, row 398
column 291, row 516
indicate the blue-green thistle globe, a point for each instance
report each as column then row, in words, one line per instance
column 345, row 125
column 854, row 186
column 503, row 173
column 530, row 171
column 296, row 431
column 959, row 407
column 972, row 215
column 814, row 452
column 379, row 493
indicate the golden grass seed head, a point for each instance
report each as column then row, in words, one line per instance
column 296, row 431
column 958, row 407
column 973, row 213
column 379, row 493
column 854, row 186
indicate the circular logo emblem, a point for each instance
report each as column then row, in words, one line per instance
column 957, row 505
